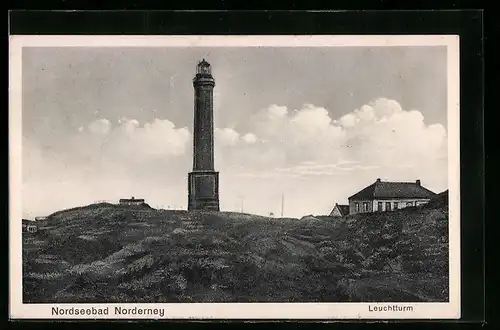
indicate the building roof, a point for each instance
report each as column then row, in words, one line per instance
column 383, row 189
column 132, row 200
column 344, row 209
column 203, row 62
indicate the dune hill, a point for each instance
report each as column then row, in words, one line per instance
column 110, row 253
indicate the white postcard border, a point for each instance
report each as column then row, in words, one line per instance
column 449, row 310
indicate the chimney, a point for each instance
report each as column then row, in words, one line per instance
column 418, row 182
column 378, row 180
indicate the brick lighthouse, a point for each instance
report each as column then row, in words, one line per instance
column 203, row 181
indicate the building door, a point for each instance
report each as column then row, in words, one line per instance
column 388, row 206
column 379, row 206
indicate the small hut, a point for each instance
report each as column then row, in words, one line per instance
column 132, row 201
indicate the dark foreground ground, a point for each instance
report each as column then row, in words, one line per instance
column 107, row 253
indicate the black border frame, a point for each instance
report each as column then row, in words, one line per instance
column 466, row 23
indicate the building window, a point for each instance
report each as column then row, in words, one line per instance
column 395, row 205
column 409, row 203
column 379, row 206
column 356, row 206
column 365, row 207
column 387, row 206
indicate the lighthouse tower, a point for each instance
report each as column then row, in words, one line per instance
column 203, row 181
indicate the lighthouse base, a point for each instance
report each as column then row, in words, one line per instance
column 203, row 187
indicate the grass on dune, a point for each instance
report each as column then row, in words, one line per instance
column 109, row 253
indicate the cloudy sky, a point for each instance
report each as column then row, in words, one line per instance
column 318, row 124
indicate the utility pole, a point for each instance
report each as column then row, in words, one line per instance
column 282, row 203
column 242, row 199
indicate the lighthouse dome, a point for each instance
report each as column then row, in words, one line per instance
column 203, row 67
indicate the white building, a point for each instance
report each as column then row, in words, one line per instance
column 389, row 196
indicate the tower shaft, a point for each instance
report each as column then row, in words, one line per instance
column 203, row 133
column 203, row 181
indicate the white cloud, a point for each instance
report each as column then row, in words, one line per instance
column 383, row 107
column 160, row 138
column 107, row 162
column 316, row 159
column 229, row 137
column 226, row 136
column 378, row 138
column 100, row 126
column 249, row 138
column 299, row 134
column 348, row 120
column 130, row 139
column 311, row 118
column 276, row 111
column 323, row 169
column 128, row 125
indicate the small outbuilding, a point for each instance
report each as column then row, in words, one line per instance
column 132, row 201
column 339, row 210
column 29, row 226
